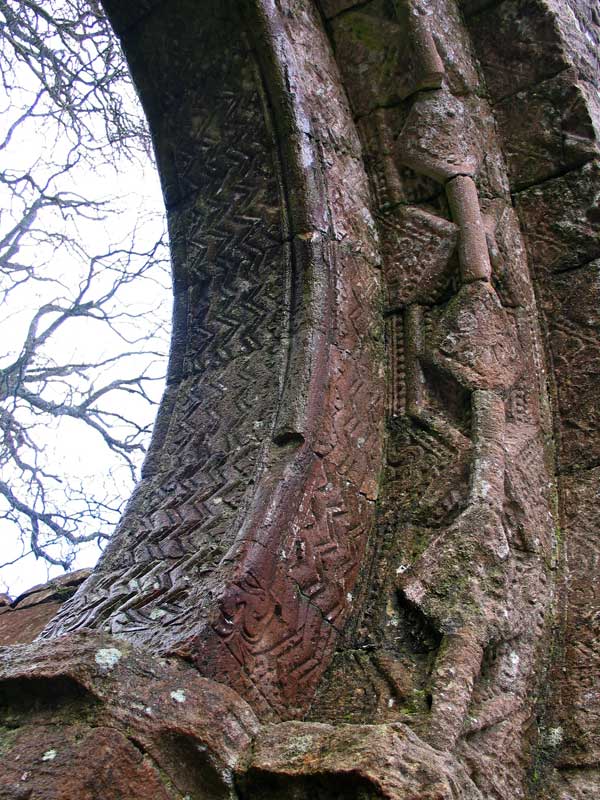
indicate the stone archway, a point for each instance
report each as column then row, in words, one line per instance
column 368, row 505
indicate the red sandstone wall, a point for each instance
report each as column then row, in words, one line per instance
column 22, row 619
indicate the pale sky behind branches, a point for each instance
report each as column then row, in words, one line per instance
column 132, row 218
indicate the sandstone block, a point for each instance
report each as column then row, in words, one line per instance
column 518, row 44
column 549, row 128
column 561, row 220
column 571, row 305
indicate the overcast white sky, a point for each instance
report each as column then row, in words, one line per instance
column 76, row 453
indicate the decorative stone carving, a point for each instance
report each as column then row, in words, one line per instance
column 375, row 581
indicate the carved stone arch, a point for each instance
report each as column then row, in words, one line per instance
column 381, row 404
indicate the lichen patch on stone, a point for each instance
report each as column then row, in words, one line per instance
column 108, row 657
column 178, row 695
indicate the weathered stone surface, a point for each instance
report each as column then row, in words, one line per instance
column 304, row 761
column 506, row 249
column 27, row 616
column 19, row 626
column 571, row 304
column 440, row 137
column 59, row 588
column 518, row 44
column 475, row 340
column 386, row 53
column 416, row 247
column 244, row 540
column 89, row 716
column 549, row 123
column 561, row 220
column 473, row 248
column 579, row 714
column 83, row 762
column 579, row 23
column 453, row 44
column 575, row 784
column 440, row 641
column 425, row 574
column 391, row 182
column 332, row 7
column 549, row 128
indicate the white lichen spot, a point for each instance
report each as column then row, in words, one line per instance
column 107, row 657
column 349, row 597
column 300, row 745
column 49, row 755
column 148, row 711
column 554, row 736
column 485, row 489
column 391, row 702
column 415, row 592
column 366, row 215
column 402, row 568
column 157, row 613
column 217, row 500
column 178, row 695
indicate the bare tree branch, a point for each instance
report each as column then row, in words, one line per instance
column 85, row 327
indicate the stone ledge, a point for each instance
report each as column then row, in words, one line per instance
column 22, row 619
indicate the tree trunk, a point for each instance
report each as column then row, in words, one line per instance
column 361, row 561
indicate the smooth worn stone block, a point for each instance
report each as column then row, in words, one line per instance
column 473, row 247
column 351, row 761
column 20, row 626
column 91, row 717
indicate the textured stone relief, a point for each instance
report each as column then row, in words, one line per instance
column 242, row 546
column 89, row 716
column 554, row 173
column 381, row 571
column 465, row 545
